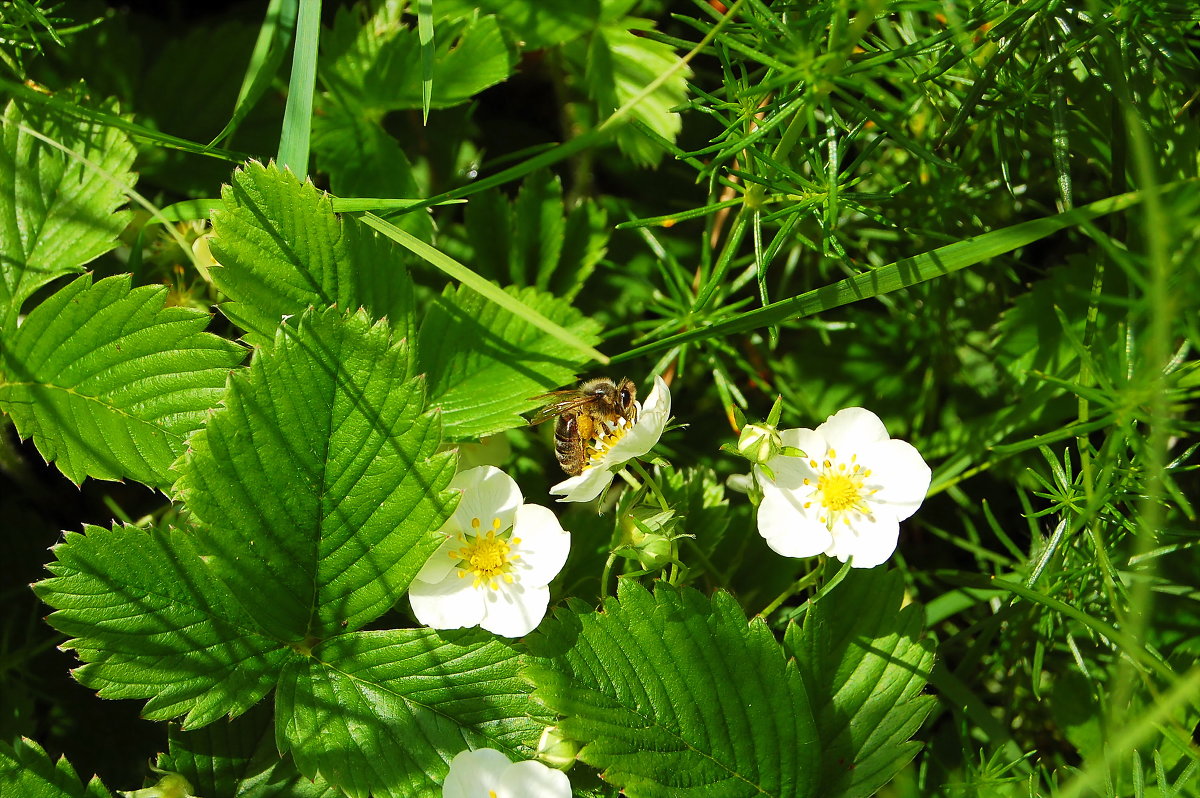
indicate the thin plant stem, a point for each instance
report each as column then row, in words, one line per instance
column 650, row 482
column 800, row 584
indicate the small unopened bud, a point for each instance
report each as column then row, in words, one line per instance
column 557, row 751
column 647, row 533
column 654, row 552
column 203, row 254
column 172, row 785
column 759, row 443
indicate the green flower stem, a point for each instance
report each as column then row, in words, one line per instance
column 709, row 568
column 608, row 564
column 651, row 483
column 800, row 584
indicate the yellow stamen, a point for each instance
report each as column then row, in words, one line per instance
column 840, row 489
column 602, row 443
column 488, row 557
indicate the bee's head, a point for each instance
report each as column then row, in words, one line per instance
column 626, row 394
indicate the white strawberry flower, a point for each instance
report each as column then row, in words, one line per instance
column 846, row 495
column 497, row 560
column 487, row 773
column 620, row 444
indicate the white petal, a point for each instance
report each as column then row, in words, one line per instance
column 473, row 773
column 438, row 566
column 806, row 440
column 899, row 477
column 851, row 429
column 452, row 603
column 790, row 472
column 532, row 779
column 787, row 529
column 659, row 400
column 870, row 542
column 651, row 421
column 544, row 545
column 583, row 488
column 488, row 493
column 512, row 610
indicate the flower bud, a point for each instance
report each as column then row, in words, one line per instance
column 648, row 534
column 555, row 750
column 172, row 785
column 759, row 442
column 655, row 552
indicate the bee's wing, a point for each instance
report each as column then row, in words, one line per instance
column 567, row 400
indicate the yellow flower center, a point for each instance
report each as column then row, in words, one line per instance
column 597, row 448
column 840, row 489
column 488, row 557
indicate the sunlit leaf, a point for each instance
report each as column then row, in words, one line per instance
column 56, row 212
column 316, row 487
column 676, row 694
column 864, row 662
column 385, row 712
column 483, row 363
column 109, row 383
column 282, row 248
column 149, row 621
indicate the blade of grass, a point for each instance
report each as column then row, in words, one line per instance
column 112, row 120
column 1128, row 645
column 457, row 271
column 297, row 116
column 269, row 49
column 901, row 274
column 189, row 210
column 425, row 36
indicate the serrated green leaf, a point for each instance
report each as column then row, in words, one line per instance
column 536, row 240
column 534, row 24
column 483, row 362
column 699, row 496
column 617, row 65
column 317, row 487
column 379, row 63
column 149, row 620
column 538, row 237
column 56, row 213
column 108, row 382
column 675, row 694
column 385, row 712
column 864, row 663
column 27, row 771
column 238, row 758
column 282, row 248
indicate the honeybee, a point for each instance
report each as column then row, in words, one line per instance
column 582, row 415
